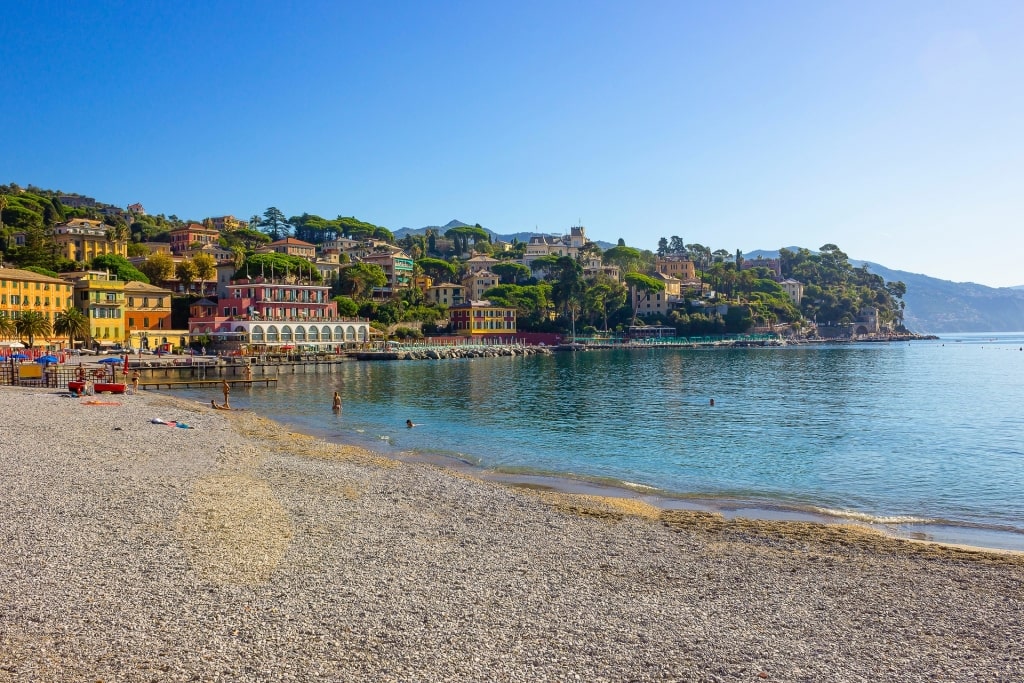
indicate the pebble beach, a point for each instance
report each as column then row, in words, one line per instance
column 135, row 549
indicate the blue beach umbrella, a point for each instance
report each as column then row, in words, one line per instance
column 46, row 360
column 18, row 356
column 111, row 359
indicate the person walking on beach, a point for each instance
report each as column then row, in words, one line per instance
column 226, row 388
column 135, row 382
column 337, row 402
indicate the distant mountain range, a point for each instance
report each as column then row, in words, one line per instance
column 934, row 306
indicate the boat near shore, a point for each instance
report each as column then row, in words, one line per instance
column 77, row 387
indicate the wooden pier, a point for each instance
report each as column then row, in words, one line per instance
column 204, row 383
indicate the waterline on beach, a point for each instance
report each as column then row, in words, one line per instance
column 924, row 434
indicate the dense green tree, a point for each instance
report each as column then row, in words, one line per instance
column 544, row 263
column 245, row 238
column 511, row 273
column 120, row 266
column 136, row 249
column 603, row 297
column 159, row 267
column 186, row 273
column 566, row 284
column 275, row 224
column 626, row 258
column 439, row 269
column 465, row 236
column 360, row 279
column 645, row 285
column 274, row 265
column 347, row 308
column 352, row 227
column 532, row 304
column 42, row 271
column 206, row 268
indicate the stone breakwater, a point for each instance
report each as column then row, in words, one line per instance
column 451, row 352
column 235, row 550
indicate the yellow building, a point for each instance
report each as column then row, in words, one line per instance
column 100, row 296
column 23, row 290
column 481, row 318
column 679, row 268
column 81, row 239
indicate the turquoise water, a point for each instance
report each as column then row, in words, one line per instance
column 927, row 436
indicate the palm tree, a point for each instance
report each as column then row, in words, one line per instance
column 73, row 324
column 32, row 324
column 7, row 327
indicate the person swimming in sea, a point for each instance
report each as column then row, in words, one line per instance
column 409, row 424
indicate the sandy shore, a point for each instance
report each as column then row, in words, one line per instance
column 237, row 551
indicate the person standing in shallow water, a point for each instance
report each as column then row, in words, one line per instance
column 226, row 388
column 336, row 405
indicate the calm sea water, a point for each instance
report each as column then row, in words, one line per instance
column 925, row 436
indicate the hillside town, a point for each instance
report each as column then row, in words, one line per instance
column 81, row 275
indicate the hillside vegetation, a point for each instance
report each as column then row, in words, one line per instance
column 552, row 295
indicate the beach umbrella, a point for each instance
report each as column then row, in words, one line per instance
column 110, row 359
column 18, row 356
column 47, row 359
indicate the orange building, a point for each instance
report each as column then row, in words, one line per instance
column 147, row 307
column 183, row 238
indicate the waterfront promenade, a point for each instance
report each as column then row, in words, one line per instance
column 236, row 550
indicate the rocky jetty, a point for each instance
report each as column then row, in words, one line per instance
column 450, row 352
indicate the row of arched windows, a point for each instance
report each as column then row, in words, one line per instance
column 302, row 334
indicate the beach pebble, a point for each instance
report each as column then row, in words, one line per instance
column 235, row 550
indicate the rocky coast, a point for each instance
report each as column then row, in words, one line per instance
column 135, row 549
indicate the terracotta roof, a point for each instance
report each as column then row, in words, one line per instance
column 145, row 287
column 293, row 241
column 29, row 276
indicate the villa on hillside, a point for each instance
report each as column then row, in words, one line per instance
column 291, row 247
column 397, row 266
column 657, row 303
column 183, row 238
column 478, row 282
column 446, row 294
column 82, row 239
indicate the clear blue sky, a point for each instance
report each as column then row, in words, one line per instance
column 892, row 129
